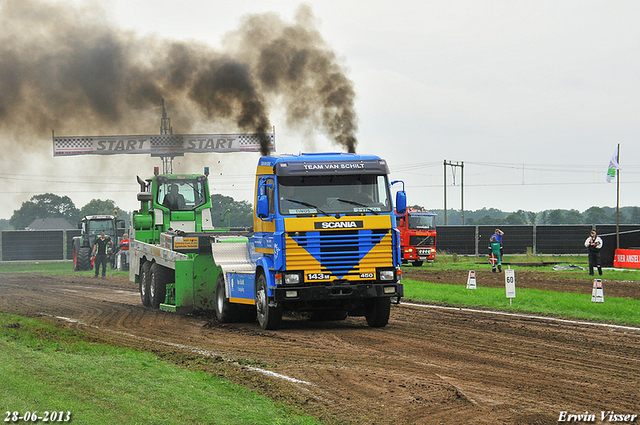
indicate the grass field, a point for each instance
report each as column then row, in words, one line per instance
column 560, row 304
column 542, row 264
column 48, row 369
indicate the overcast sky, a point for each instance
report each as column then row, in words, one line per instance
column 533, row 98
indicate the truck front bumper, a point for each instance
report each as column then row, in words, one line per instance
column 338, row 292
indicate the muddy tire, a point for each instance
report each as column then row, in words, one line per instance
column 269, row 317
column 83, row 259
column 157, row 285
column 145, row 280
column 377, row 311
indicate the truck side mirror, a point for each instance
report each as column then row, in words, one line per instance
column 401, row 202
column 262, row 206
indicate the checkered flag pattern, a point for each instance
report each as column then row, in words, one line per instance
column 74, row 143
column 72, row 146
column 171, row 140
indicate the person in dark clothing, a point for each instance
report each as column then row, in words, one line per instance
column 100, row 249
column 594, row 244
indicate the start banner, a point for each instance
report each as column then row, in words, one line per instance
column 160, row 145
column 629, row 258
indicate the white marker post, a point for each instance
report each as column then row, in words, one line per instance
column 597, row 294
column 471, row 280
column 510, row 283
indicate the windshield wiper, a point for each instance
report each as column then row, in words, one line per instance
column 358, row 204
column 305, row 204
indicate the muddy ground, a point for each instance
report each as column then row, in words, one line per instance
column 429, row 365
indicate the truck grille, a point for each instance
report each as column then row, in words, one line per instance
column 422, row 240
column 340, row 252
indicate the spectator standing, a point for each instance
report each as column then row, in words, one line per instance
column 495, row 247
column 594, row 244
column 498, row 235
column 100, row 249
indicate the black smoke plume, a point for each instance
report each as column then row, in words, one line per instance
column 66, row 67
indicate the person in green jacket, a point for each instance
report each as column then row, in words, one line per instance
column 494, row 246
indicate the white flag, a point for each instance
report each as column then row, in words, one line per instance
column 613, row 166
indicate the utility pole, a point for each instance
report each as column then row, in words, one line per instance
column 452, row 164
column 618, row 201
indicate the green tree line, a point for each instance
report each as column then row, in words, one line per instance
column 225, row 211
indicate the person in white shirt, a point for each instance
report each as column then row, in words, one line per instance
column 594, row 244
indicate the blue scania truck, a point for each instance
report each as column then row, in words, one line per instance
column 324, row 242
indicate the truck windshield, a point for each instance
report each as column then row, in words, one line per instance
column 422, row 222
column 97, row 226
column 344, row 194
column 181, row 195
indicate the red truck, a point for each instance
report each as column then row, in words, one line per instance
column 417, row 236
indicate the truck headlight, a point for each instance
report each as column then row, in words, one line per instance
column 386, row 275
column 291, row 278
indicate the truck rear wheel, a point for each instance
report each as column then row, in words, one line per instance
column 377, row 311
column 145, row 279
column 83, row 259
column 269, row 317
column 157, row 285
column 225, row 311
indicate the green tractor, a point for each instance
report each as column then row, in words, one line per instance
column 91, row 226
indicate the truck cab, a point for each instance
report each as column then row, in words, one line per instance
column 417, row 236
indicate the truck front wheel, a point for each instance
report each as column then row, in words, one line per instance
column 145, row 279
column 377, row 311
column 269, row 317
column 417, row 263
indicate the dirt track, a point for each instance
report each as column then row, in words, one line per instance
column 429, row 365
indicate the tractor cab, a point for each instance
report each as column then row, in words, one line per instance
column 179, row 202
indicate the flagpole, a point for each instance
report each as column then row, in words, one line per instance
column 618, row 201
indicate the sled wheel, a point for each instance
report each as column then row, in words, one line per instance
column 145, row 275
column 157, row 285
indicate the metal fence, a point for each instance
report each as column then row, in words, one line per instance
column 23, row 245
column 552, row 240
column 37, row 245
